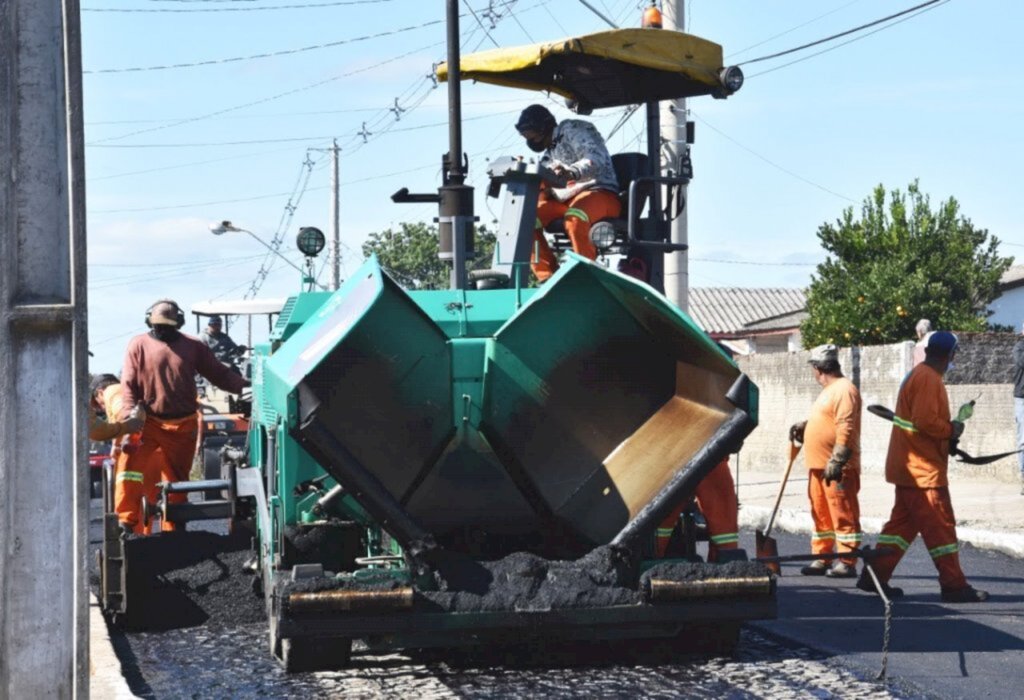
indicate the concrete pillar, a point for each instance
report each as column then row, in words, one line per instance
column 673, row 135
column 43, row 357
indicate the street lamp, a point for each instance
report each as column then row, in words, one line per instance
column 219, row 229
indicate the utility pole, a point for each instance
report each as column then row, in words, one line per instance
column 673, row 135
column 44, row 496
column 335, row 219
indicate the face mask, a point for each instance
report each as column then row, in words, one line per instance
column 535, row 146
column 164, row 333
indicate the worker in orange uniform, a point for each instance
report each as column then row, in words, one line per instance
column 831, row 437
column 159, row 371
column 575, row 150
column 716, row 498
column 105, row 397
column 917, row 464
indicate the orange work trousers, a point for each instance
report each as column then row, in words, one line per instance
column 930, row 513
column 579, row 213
column 165, row 453
column 716, row 497
column 835, row 510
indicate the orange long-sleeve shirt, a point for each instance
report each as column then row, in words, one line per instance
column 919, row 456
column 834, row 420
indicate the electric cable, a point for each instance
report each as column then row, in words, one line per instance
column 271, row 54
column 257, row 8
column 842, row 34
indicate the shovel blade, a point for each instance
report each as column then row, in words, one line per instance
column 767, row 547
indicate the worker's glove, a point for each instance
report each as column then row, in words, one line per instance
column 958, row 429
column 796, row 432
column 136, row 419
column 834, row 469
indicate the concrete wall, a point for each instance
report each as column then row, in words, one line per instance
column 1008, row 308
column 982, row 370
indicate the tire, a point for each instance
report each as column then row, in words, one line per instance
column 96, row 486
column 303, row 654
column 716, row 639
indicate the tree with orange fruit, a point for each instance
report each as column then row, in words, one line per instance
column 901, row 261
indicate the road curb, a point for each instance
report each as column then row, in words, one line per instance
column 105, row 677
column 799, row 521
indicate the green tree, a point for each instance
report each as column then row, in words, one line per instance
column 409, row 254
column 900, row 262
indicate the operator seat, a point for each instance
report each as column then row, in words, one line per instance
column 628, row 167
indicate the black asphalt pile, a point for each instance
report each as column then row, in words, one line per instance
column 185, row 579
column 522, row 581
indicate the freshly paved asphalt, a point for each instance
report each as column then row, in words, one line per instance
column 936, row 649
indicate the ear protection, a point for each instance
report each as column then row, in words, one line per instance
column 179, row 315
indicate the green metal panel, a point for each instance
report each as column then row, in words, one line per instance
column 471, row 313
column 582, row 367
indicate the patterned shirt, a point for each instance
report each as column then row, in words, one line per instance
column 577, row 146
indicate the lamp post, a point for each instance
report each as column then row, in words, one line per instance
column 223, row 227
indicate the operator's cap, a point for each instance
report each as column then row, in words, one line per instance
column 824, row 353
column 535, row 118
column 164, row 313
column 215, row 321
column 943, row 342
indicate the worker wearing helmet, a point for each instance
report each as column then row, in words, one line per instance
column 917, row 464
column 159, row 372
column 716, row 498
column 831, row 437
column 575, row 150
column 105, row 397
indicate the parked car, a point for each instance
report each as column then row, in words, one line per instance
column 99, row 453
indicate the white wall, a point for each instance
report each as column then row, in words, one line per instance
column 1008, row 309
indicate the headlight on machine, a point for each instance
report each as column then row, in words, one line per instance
column 731, row 78
column 602, row 235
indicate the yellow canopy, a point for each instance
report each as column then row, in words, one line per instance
column 605, row 69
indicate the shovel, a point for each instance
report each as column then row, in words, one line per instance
column 954, row 449
column 767, row 547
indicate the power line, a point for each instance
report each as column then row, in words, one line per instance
column 842, row 34
column 769, row 162
column 839, row 46
column 285, row 52
column 257, row 8
column 271, row 98
column 791, row 29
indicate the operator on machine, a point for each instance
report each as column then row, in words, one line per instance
column 573, row 149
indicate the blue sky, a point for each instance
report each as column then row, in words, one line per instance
column 936, row 97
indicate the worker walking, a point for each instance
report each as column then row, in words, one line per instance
column 716, row 498
column 917, row 464
column 831, row 437
column 573, row 149
column 105, row 396
column 159, row 371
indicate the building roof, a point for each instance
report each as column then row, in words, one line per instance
column 777, row 323
column 731, row 310
column 1014, row 277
